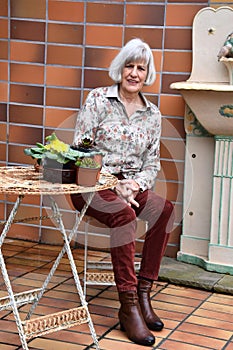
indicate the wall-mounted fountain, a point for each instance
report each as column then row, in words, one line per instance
column 207, row 237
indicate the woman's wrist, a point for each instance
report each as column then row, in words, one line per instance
column 140, row 190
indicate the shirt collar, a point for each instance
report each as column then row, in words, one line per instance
column 113, row 92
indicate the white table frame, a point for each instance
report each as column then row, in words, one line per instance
column 30, row 328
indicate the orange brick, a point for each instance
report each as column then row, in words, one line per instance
column 59, row 76
column 66, row 11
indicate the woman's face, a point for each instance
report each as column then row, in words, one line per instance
column 133, row 76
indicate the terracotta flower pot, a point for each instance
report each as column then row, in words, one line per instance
column 87, row 176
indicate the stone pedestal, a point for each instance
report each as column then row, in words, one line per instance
column 207, row 237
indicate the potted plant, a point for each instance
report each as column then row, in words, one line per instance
column 88, row 171
column 86, row 144
column 86, row 147
column 56, row 159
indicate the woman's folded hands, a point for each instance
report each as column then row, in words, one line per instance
column 127, row 190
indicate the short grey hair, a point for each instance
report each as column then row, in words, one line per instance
column 135, row 50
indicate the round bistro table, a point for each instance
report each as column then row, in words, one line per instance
column 23, row 181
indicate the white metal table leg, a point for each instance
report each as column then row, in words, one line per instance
column 13, row 303
column 66, row 248
column 74, row 269
column 6, row 276
column 62, row 252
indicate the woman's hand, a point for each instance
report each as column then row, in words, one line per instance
column 127, row 190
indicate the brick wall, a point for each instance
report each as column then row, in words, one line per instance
column 53, row 52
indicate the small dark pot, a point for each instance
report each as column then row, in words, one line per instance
column 58, row 173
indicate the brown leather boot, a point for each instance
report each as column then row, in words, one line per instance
column 153, row 322
column 131, row 319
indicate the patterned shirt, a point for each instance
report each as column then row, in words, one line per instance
column 130, row 144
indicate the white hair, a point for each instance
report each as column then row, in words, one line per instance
column 135, row 50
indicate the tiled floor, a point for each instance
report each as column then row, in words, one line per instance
column 194, row 319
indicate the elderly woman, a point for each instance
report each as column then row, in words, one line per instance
column 127, row 128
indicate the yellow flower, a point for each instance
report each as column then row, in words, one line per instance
column 56, row 145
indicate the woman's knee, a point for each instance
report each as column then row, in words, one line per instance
column 161, row 209
column 168, row 207
column 122, row 218
column 159, row 205
column 169, row 214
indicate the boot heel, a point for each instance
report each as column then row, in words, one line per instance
column 122, row 328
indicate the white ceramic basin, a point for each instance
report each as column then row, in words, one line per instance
column 209, row 90
column 211, row 103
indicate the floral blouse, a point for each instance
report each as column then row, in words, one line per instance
column 130, row 144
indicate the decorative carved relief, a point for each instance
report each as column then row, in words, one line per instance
column 192, row 125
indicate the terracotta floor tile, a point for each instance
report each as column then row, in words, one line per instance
column 221, row 299
column 40, row 310
column 84, row 328
column 176, row 300
column 101, row 310
column 205, row 331
column 218, row 307
column 72, row 336
column 194, row 319
column 53, row 294
column 169, row 324
column 188, row 292
column 109, row 294
column 108, row 344
column 29, row 262
column 56, row 303
column 174, row 316
column 107, row 321
column 213, row 314
column 174, row 345
column 28, row 282
column 196, row 339
column 48, row 344
column 47, row 252
column 33, row 256
column 61, row 273
column 13, row 339
column 66, row 288
column 19, row 243
column 8, row 252
column 8, row 326
column 46, row 247
column 105, row 302
column 11, row 244
column 169, row 307
column 228, row 326
column 31, row 348
column 39, row 277
column 92, row 292
column 18, row 270
column 164, row 333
